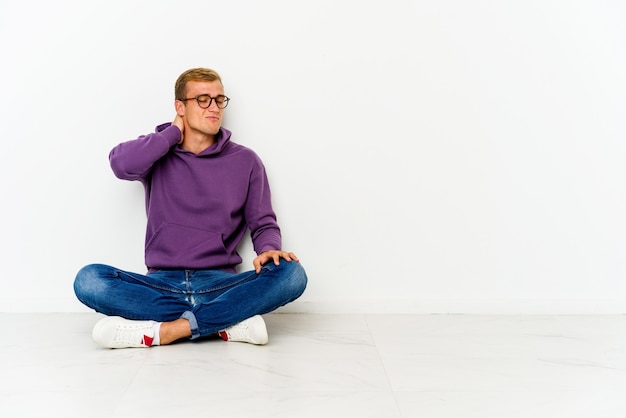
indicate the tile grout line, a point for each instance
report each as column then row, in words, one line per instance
column 382, row 363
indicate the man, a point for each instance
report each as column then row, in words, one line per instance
column 203, row 192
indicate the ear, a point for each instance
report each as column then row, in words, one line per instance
column 180, row 108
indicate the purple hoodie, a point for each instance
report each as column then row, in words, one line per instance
column 198, row 206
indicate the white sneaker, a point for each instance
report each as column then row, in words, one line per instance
column 118, row 332
column 252, row 331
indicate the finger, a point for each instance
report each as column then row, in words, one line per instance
column 287, row 256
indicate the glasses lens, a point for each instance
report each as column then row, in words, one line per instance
column 204, row 100
column 222, row 101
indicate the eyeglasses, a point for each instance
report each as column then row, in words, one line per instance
column 204, row 101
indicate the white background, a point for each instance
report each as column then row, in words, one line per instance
column 425, row 156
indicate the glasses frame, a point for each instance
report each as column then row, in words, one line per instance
column 226, row 100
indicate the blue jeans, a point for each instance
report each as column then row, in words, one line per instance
column 211, row 300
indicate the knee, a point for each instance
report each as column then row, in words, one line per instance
column 89, row 281
column 296, row 277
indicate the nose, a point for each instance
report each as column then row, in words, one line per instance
column 213, row 106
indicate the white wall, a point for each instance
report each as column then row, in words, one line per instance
column 425, row 156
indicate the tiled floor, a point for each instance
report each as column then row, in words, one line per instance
column 324, row 366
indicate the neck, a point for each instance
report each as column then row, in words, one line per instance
column 197, row 144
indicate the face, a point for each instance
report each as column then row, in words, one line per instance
column 197, row 120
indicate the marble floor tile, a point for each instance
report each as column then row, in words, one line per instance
column 512, row 404
column 324, row 365
column 513, row 353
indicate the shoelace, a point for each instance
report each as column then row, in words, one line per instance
column 131, row 335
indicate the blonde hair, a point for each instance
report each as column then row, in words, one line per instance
column 194, row 74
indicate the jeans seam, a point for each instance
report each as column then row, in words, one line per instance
column 149, row 284
column 231, row 284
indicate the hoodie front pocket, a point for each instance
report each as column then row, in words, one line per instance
column 174, row 245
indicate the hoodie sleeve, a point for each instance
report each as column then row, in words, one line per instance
column 132, row 160
column 260, row 217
